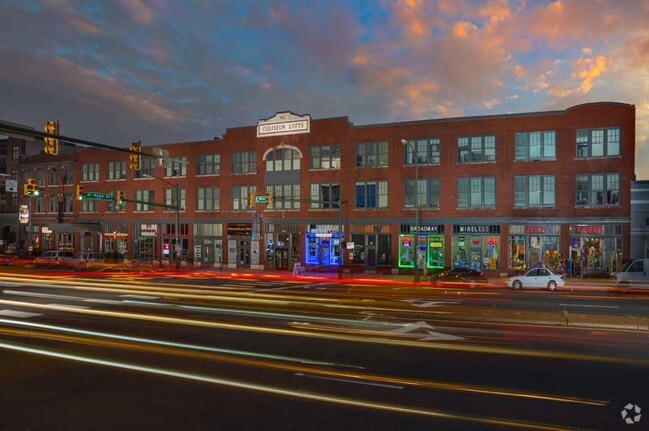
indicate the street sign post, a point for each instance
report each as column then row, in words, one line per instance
column 261, row 199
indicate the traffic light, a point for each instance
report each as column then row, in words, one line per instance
column 135, row 158
column 30, row 188
column 120, row 197
column 269, row 199
column 51, row 144
column 80, row 193
column 251, row 200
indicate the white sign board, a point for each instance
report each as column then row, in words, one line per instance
column 284, row 123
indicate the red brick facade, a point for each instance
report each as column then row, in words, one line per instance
column 497, row 238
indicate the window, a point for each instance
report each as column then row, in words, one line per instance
column 177, row 167
column 117, row 170
column 53, row 205
column 476, row 192
column 170, row 199
column 597, row 190
column 239, row 198
column 208, row 164
column 325, row 157
column 145, row 200
column 146, row 168
column 15, row 152
column 598, row 142
column 427, row 193
column 476, row 149
column 113, row 206
column 88, row 206
column 326, row 194
column 534, row 191
column 372, row 154
column 282, row 159
column 535, row 146
column 371, row 194
column 284, row 196
column 207, row 199
column 244, row 163
column 90, row 172
column 426, row 151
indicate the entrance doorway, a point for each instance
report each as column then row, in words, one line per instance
column 243, row 254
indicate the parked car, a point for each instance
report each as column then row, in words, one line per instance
column 89, row 258
column 54, row 258
column 536, row 278
column 7, row 259
column 634, row 273
column 457, row 276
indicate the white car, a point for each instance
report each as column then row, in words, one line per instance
column 536, row 278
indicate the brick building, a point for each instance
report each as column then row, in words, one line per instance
column 498, row 193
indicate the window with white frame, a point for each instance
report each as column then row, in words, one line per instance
column 117, row 170
column 146, row 168
column 15, row 152
column 284, row 196
column 371, row 194
column 170, row 199
column 244, row 162
column 597, row 190
column 90, row 172
column 372, row 154
column 145, row 200
column 208, row 164
column 53, row 205
column 177, row 167
column 39, row 204
column 88, row 206
column 239, row 198
column 424, row 151
column 598, row 142
column 427, row 193
column 476, row 192
column 325, row 156
column 476, row 149
column 534, row 191
column 282, row 159
column 535, row 145
column 207, row 199
column 325, row 195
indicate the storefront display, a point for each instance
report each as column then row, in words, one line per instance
column 322, row 246
column 476, row 247
column 426, row 247
column 594, row 249
column 533, row 246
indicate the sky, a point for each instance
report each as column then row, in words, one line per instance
column 167, row 71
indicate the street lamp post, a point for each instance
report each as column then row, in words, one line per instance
column 416, row 161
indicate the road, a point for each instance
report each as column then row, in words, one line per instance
column 210, row 351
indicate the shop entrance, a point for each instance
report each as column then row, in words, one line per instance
column 281, row 258
column 243, row 254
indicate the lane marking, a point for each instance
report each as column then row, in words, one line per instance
column 357, row 382
column 139, row 296
column 589, row 306
column 67, row 305
column 21, row 314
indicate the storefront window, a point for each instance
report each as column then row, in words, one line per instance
column 479, row 253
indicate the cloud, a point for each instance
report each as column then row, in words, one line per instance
column 587, row 69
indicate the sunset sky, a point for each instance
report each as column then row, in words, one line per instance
column 178, row 70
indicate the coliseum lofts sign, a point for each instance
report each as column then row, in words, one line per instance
column 284, row 123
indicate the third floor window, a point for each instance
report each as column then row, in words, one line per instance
column 244, row 162
column 535, row 146
column 208, row 164
column 325, row 156
column 421, row 151
column 476, row 149
column 598, row 142
column 372, row 154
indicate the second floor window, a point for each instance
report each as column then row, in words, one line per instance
column 88, row 206
column 422, row 152
column 476, row 149
column 535, row 146
column 208, row 164
column 244, row 162
column 170, row 199
column 207, row 199
column 372, row 154
column 325, row 195
column 597, row 190
column 325, row 156
column 145, row 200
column 598, row 142
column 15, row 152
column 534, row 191
column 284, row 196
column 117, row 170
column 239, row 198
column 371, row 194
column 90, row 172
column 426, row 195
column 476, row 192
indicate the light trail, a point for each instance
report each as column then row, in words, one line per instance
column 380, row 339
column 288, row 392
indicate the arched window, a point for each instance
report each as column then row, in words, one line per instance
column 282, row 159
